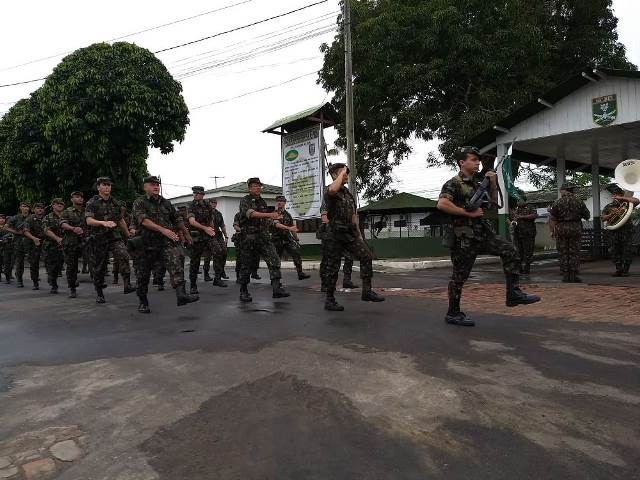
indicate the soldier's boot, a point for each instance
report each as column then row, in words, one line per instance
column 19, row 282
column 573, row 277
column 245, row 296
column 625, row 269
column 143, row 306
column 183, row 298
column 193, row 288
column 100, row 296
column 278, row 290
column 566, row 277
column 8, row 278
column 160, row 285
column 368, row 295
column 36, row 285
column 454, row 316
column 255, row 276
column 347, row 283
column 73, row 293
column 115, row 278
column 217, row 282
column 515, row 296
column 224, row 275
column 128, row 288
column 330, row 302
column 237, row 277
column 207, row 277
column 301, row 274
column 54, row 286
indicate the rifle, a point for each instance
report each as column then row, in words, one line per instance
column 481, row 197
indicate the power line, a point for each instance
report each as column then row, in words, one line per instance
column 12, row 67
column 23, row 82
column 255, row 91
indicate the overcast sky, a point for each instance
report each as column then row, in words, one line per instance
column 224, row 138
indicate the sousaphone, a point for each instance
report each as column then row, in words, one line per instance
column 627, row 175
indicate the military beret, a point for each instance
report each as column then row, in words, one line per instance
column 615, row 189
column 57, row 200
column 77, row 194
column 281, row 198
column 337, row 166
column 151, row 179
column 462, row 152
column 38, row 205
column 105, row 180
column 254, row 180
column 197, row 189
column 567, row 186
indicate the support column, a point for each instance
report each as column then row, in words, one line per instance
column 560, row 167
column 595, row 193
column 503, row 213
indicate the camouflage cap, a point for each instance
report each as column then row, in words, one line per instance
column 197, row 189
column 254, row 180
column 77, row 193
column 38, row 205
column 337, row 166
column 567, row 186
column 281, row 198
column 105, row 180
column 57, row 200
column 462, row 152
column 151, row 179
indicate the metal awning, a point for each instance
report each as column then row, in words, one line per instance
column 323, row 114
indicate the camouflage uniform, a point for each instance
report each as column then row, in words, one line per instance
column 20, row 244
column 525, row 236
column 102, row 240
column 620, row 241
column 6, row 253
column 568, row 212
column 471, row 237
column 156, row 247
column 35, row 226
column 347, row 268
column 72, row 244
column 202, row 243
column 284, row 241
column 255, row 240
column 342, row 236
column 53, row 254
column 236, row 238
column 217, row 249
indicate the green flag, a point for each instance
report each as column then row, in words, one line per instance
column 512, row 191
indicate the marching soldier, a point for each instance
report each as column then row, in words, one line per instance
column 473, row 235
column 161, row 232
column 344, row 235
column 6, row 249
column 284, row 235
column 73, row 227
column 103, row 215
column 347, row 268
column 565, row 224
column 620, row 240
column 236, row 238
column 15, row 225
column 221, row 238
column 34, row 231
column 524, row 234
column 255, row 221
column 52, row 245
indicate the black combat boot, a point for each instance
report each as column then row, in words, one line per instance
column 19, row 282
column 278, row 290
column 193, row 288
column 115, row 278
column 224, row 275
column 301, row 274
column 515, row 296
column 72, row 293
column 347, row 283
column 237, row 277
column 183, row 298
column 143, row 307
column 454, row 316
column 36, row 285
column 54, row 286
column 566, row 278
column 161, row 285
column 100, row 296
column 128, row 288
column 8, row 279
column 368, row 295
column 330, row 302
column 625, row 269
column 573, row 277
column 207, row 277
column 245, row 296
column 217, row 282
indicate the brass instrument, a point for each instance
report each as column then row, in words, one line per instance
column 627, row 175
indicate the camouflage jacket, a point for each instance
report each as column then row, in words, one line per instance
column 158, row 210
column 287, row 220
column 525, row 228
column 201, row 212
column 625, row 231
column 103, row 210
column 218, row 221
column 248, row 205
column 459, row 191
column 569, row 209
column 73, row 217
column 52, row 222
column 340, row 207
column 35, row 226
column 17, row 222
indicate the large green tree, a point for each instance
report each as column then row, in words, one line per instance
column 448, row 69
column 96, row 114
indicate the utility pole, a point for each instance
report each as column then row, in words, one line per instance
column 349, row 121
column 215, row 179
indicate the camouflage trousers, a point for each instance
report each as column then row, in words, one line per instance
column 621, row 248
column 525, row 247
column 335, row 248
column 347, row 267
column 568, row 245
column 53, row 262
column 465, row 251
column 255, row 247
column 169, row 255
column 217, row 253
column 98, row 253
column 35, row 252
column 20, row 251
column 72, row 253
column 291, row 249
column 6, row 258
column 254, row 267
column 207, row 247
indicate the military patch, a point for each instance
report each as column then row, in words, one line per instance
column 605, row 110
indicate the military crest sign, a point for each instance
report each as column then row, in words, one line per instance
column 605, row 110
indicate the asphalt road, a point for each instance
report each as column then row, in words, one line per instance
column 285, row 390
